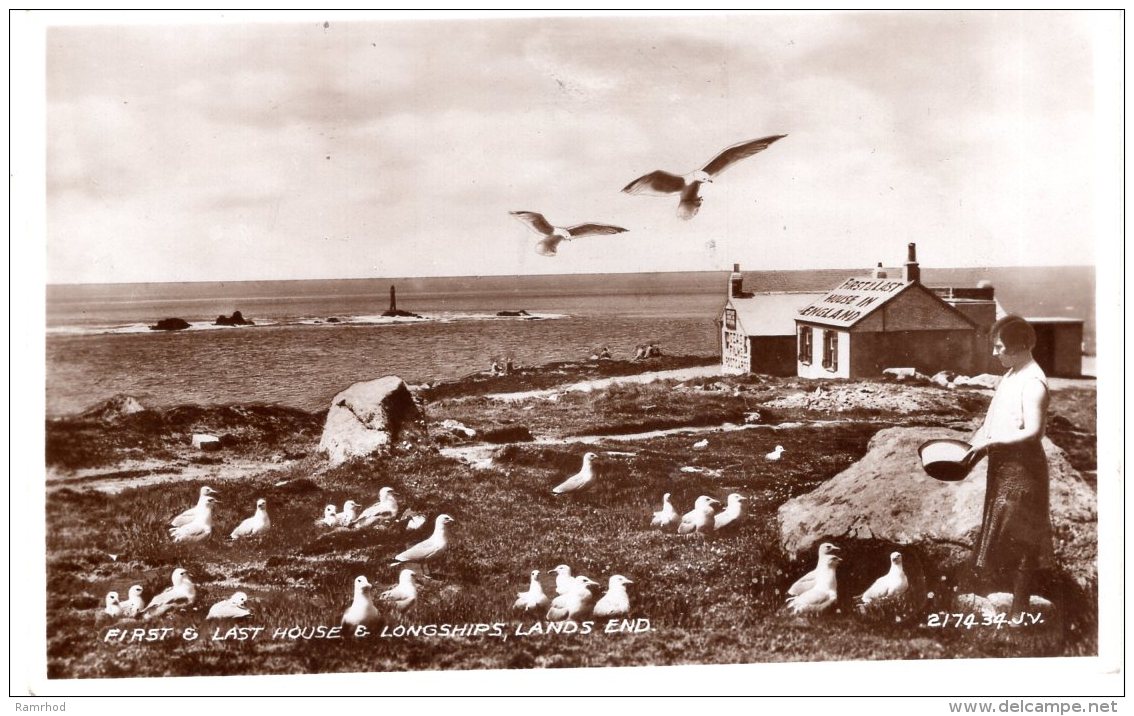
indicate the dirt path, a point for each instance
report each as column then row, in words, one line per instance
column 138, row 473
column 480, row 455
column 587, row 386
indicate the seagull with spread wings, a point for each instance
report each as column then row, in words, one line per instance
column 662, row 183
column 553, row 235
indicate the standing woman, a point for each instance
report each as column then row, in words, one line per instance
column 1015, row 533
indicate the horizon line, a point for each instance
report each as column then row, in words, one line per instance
column 554, row 275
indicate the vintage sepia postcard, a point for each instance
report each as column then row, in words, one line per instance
column 759, row 346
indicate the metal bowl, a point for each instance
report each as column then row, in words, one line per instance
column 946, row 459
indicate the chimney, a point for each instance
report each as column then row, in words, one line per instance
column 736, row 283
column 393, row 300
column 879, row 272
column 911, row 272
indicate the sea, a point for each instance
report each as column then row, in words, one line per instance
column 313, row 338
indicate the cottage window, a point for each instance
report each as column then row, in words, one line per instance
column 805, row 345
column 831, row 350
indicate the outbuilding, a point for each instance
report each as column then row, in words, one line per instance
column 1059, row 345
column 758, row 328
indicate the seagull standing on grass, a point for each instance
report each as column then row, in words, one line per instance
column 564, row 580
column 330, row 517
column 731, row 512
column 554, row 235
column 889, row 586
column 661, row 183
column 822, row 594
column 112, row 608
column 616, row 602
column 775, row 454
column 201, row 528
column 256, row 524
column 362, row 610
column 534, row 598
column 402, row 595
column 581, row 480
column 807, row 581
column 667, row 517
column 575, row 603
column 700, row 518
column 429, row 549
column 181, row 594
column 384, row 510
column 191, row 514
column 133, row 604
column 349, row 513
column 231, row 608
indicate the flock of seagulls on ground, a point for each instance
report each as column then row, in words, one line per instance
column 657, row 183
column 813, row 593
column 817, row 591
column 573, row 597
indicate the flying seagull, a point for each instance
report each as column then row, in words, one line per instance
column 660, row 183
column 553, row 235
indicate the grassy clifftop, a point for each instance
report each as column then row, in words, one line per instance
column 713, row 600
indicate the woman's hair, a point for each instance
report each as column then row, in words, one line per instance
column 1015, row 333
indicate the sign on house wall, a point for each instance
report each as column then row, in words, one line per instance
column 852, row 300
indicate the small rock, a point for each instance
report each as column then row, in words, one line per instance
column 944, row 378
column 984, row 380
column 458, row 428
column 207, row 443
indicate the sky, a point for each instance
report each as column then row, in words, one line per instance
column 298, row 147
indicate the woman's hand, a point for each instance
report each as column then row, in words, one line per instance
column 979, row 448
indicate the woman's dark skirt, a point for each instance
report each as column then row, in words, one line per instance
column 1015, row 530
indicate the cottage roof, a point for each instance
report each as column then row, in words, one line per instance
column 770, row 313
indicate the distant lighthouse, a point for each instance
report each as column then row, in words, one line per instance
column 393, row 312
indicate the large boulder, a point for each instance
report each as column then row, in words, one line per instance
column 886, row 496
column 371, row 417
